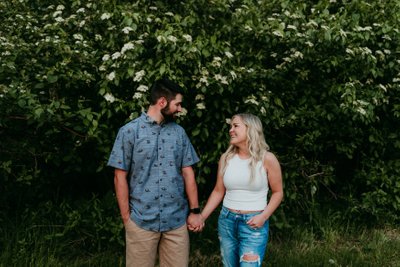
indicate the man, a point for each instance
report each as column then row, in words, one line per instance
column 153, row 158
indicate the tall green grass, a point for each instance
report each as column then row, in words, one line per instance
column 90, row 233
column 325, row 241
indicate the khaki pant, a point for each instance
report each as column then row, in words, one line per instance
column 142, row 246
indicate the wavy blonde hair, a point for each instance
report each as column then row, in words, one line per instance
column 255, row 143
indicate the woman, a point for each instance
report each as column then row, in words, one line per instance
column 245, row 173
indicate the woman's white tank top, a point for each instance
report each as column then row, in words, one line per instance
column 241, row 194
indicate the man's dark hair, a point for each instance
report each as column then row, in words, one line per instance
column 164, row 88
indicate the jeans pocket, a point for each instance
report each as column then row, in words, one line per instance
column 224, row 212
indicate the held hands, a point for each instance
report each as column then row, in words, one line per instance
column 195, row 222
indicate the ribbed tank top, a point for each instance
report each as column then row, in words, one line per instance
column 241, row 194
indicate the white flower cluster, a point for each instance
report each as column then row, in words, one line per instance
column 382, row 87
column 199, row 97
column 216, row 62
column 222, row 79
column 326, row 28
column 127, row 47
column 365, row 51
column 142, row 88
column 105, row 16
column 106, row 57
column 228, row 54
column 248, row 28
column 57, row 13
column 126, row 30
column 363, row 29
column 102, row 68
column 312, row 23
column 360, row 106
column 292, row 16
column 78, row 36
column 161, row 39
column 309, row 44
column 278, row 33
column 182, row 113
column 109, row 97
column 203, row 79
column 137, row 95
column 200, row 105
column 111, row 76
column 252, row 99
column 187, row 37
column 172, row 38
column 139, row 75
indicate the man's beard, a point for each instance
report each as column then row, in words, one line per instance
column 168, row 116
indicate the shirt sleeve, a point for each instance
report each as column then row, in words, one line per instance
column 121, row 154
column 189, row 154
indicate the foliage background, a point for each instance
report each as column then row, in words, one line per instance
column 324, row 77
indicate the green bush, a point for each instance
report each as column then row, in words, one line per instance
column 323, row 77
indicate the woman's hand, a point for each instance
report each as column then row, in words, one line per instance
column 257, row 221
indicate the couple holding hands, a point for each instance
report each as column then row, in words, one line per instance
column 156, row 188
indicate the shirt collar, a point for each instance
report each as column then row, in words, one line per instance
column 146, row 118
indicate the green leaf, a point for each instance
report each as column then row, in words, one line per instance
column 52, row 78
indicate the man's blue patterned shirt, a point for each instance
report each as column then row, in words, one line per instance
column 154, row 155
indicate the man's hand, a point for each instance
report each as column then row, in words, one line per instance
column 195, row 222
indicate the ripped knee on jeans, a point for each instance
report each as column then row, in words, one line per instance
column 250, row 257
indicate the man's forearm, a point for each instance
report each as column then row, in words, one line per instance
column 190, row 187
column 122, row 193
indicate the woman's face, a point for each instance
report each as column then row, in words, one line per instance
column 238, row 132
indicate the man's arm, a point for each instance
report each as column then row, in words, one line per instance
column 122, row 192
column 194, row 221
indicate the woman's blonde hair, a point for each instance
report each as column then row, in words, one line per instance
column 255, row 143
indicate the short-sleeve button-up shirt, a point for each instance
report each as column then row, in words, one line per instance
column 154, row 155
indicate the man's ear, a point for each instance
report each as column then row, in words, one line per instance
column 162, row 101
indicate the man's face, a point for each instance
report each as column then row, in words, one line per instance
column 173, row 108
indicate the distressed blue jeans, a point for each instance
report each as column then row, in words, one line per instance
column 240, row 244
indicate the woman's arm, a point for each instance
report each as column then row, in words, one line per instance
column 216, row 195
column 273, row 169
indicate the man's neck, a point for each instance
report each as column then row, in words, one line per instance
column 154, row 113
